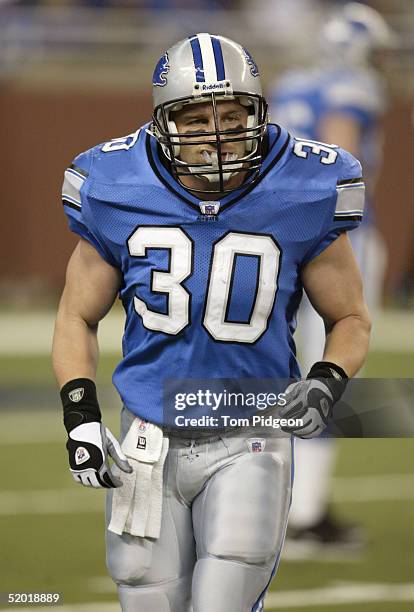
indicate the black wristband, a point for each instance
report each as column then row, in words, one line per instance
column 80, row 403
column 333, row 376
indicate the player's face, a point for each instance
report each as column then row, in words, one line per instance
column 200, row 118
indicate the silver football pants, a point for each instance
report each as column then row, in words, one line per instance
column 225, row 508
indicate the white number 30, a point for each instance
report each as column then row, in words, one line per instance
column 170, row 282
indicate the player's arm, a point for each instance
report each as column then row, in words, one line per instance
column 90, row 290
column 333, row 283
column 341, row 129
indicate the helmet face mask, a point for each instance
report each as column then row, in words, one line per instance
column 216, row 168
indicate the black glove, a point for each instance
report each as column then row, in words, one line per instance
column 312, row 400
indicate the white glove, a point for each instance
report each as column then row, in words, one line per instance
column 89, row 446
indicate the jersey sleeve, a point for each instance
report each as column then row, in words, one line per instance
column 345, row 206
column 75, row 204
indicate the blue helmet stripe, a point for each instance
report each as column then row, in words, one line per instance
column 198, row 59
column 218, row 56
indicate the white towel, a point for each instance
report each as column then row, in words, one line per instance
column 137, row 505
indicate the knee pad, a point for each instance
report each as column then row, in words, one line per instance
column 251, row 549
column 127, row 562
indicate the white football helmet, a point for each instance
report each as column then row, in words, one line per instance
column 209, row 68
column 351, row 35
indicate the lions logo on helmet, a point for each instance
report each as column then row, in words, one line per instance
column 252, row 64
column 161, row 71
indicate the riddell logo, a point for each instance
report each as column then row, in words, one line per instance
column 212, row 86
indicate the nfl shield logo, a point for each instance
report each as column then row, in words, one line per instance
column 142, row 425
column 76, row 395
column 256, row 445
column 210, row 209
column 81, row 455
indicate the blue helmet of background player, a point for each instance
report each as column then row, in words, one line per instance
column 354, row 33
column 207, row 68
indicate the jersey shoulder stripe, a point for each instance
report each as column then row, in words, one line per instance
column 349, row 181
column 72, row 185
column 78, row 170
column 351, row 199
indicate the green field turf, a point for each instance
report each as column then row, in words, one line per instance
column 37, row 370
column 62, row 548
column 65, row 552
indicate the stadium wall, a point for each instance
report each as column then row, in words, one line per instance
column 46, row 130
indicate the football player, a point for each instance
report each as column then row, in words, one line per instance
column 208, row 222
column 340, row 100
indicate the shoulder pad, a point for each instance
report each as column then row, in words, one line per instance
column 106, row 161
column 116, row 159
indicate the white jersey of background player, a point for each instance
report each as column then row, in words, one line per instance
column 340, row 100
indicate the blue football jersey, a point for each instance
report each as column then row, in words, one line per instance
column 210, row 289
column 301, row 99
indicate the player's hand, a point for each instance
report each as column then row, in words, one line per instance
column 312, row 402
column 89, row 446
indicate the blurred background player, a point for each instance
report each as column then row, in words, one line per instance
column 339, row 100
